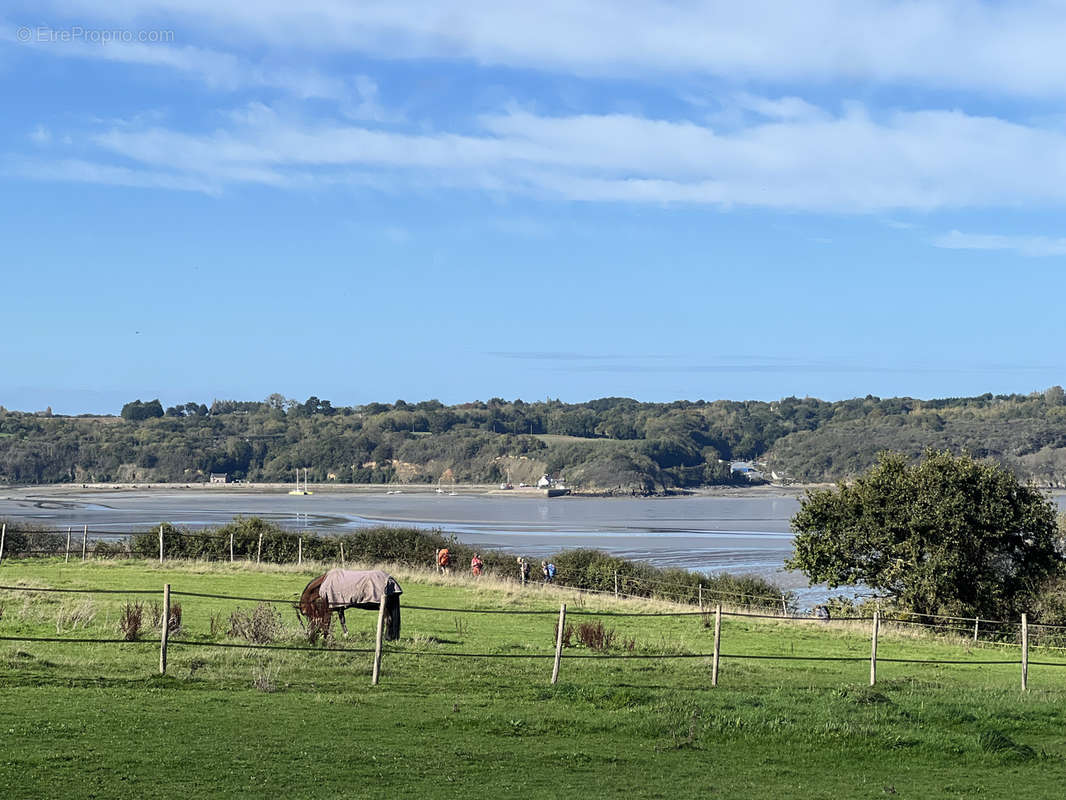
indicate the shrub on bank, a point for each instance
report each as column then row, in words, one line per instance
column 27, row 539
column 412, row 547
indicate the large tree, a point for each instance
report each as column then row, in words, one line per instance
column 949, row 535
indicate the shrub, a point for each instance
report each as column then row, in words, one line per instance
column 130, row 621
column 594, row 636
column 28, row 539
column 109, row 549
column 262, row 626
column 264, row 677
column 174, row 623
column 568, row 633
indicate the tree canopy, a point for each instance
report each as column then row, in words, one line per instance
column 949, row 535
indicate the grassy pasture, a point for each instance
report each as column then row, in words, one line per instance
column 95, row 720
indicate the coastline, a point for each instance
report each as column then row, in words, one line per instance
column 751, row 492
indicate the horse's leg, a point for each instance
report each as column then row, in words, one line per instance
column 340, row 615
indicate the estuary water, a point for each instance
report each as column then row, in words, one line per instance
column 708, row 534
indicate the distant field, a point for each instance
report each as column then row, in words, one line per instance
column 554, row 438
column 99, row 718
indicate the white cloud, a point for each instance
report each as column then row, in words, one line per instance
column 986, row 46
column 40, row 135
column 781, row 108
column 1032, row 246
column 850, row 163
column 218, row 70
column 80, row 171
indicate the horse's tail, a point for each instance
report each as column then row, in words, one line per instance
column 392, row 617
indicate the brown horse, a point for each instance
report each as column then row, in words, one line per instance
column 339, row 589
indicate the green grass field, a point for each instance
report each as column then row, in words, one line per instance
column 96, row 720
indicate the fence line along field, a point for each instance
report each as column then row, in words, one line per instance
column 633, row 712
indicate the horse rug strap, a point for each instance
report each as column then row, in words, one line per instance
column 346, row 587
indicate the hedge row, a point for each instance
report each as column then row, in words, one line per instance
column 413, row 547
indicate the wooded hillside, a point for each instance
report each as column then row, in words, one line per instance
column 610, row 444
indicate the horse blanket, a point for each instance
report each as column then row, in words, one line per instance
column 344, row 588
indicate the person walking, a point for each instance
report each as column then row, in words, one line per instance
column 476, row 565
column 444, row 561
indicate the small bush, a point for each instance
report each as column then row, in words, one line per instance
column 262, row 626
column 264, row 677
column 568, row 633
column 174, row 623
column 594, row 636
column 129, row 623
column 109, row 550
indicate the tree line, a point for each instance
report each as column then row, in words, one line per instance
column 610, row 444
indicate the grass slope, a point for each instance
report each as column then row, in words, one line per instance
column 97, row 721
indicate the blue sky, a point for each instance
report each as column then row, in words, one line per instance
column 460, row 200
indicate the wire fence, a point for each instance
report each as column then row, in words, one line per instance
column 290, row 547
column 563, row 632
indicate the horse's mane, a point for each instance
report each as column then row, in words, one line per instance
column 311, row 604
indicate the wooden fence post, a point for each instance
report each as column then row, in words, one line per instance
column 1025, row 652
column 66, row 558
column 160, row 544
column 377, row 642
column 784, row 607
column 699, row 595
column 84, row 540
column 616, row 584
column 3, row 535
column 259, row 548
column 976, row 622
column 231, row 547
column 342, row 554
column 873, row 648
column 559, row 643
column 300, row 551
column 165, row 631
column 717, row 644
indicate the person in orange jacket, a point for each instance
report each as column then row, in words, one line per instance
column 476, row 565
column 444, row 561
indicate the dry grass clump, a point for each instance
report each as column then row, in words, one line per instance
column 262, row 626
column 131, row 620
column 174, row 618
column 78, row 615
column 265, row 677
column 594, row 636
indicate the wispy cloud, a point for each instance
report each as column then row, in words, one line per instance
column 854, row 162
column 984, row 46
column 1031, row 246
column 793, row 367
column 555, row 355
column 224, row 71
column 80, row 171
